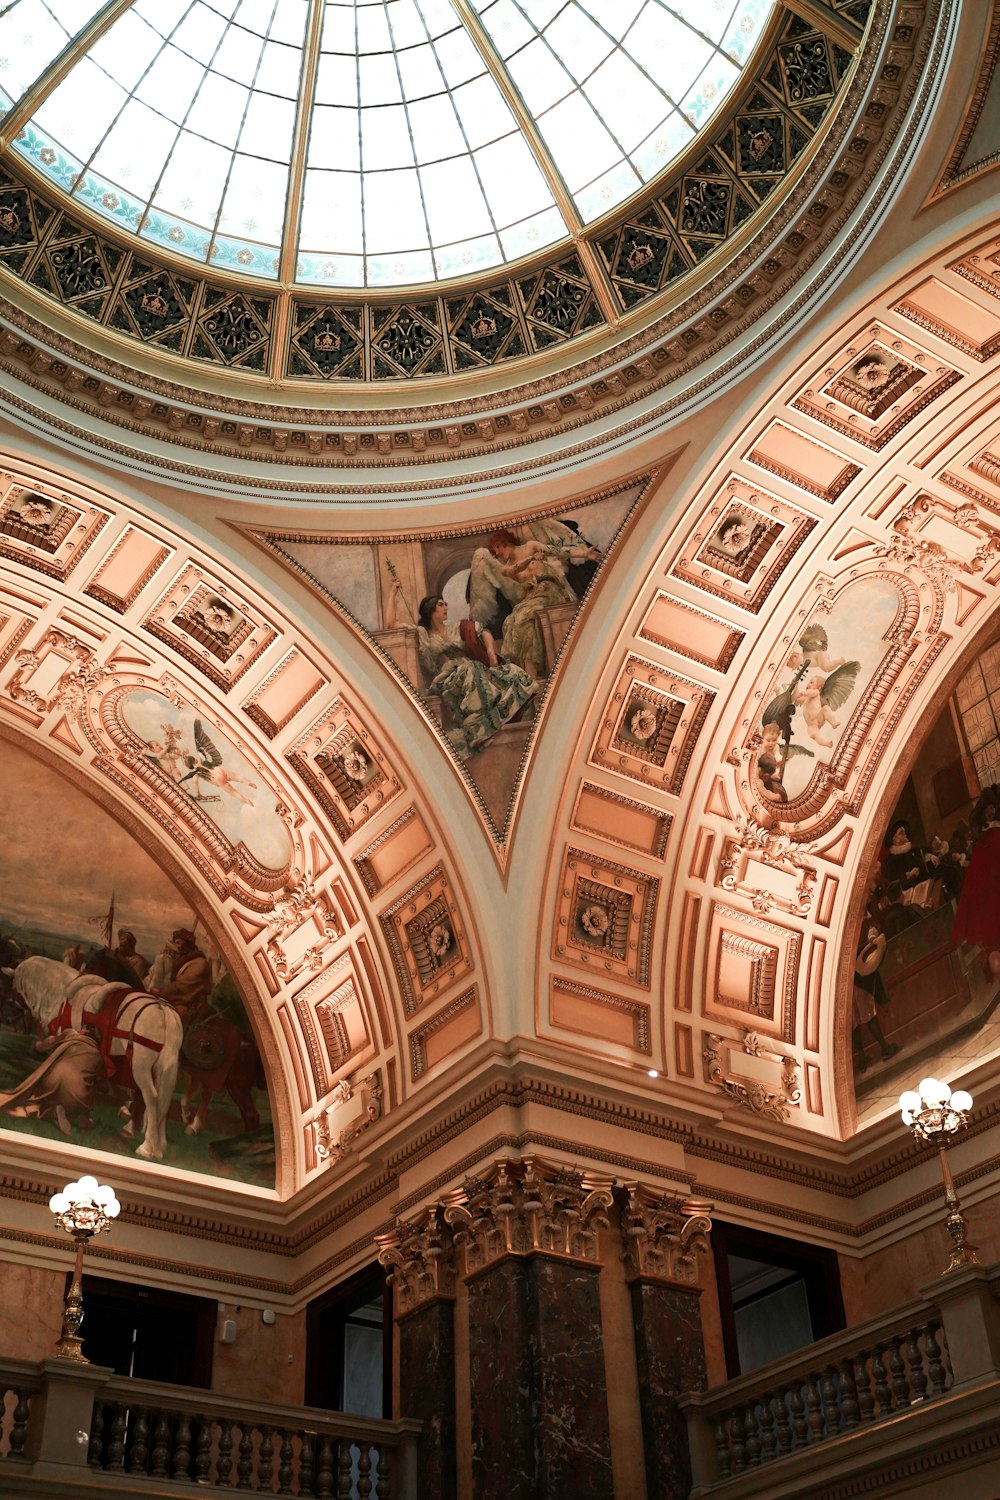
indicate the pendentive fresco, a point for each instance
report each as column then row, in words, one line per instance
column 474, row 622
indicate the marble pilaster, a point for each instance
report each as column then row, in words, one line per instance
column 420, row 1261
column 540, row 1427
column 663, row 1238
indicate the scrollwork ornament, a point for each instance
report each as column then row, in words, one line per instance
column 664, row 1235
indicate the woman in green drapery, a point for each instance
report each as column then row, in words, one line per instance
column 481, row 692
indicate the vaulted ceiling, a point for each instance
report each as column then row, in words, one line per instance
column 833, row 385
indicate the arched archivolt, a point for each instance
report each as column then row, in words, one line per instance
column 802, row 614
column 233, row 750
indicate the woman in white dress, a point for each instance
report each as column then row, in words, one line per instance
column 481, row 692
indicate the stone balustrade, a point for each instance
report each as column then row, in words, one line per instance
column 880, row 1377
column 68, row 1424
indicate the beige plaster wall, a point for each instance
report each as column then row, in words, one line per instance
column 266, row 1362
column 31, row 1304
column 890, row 1277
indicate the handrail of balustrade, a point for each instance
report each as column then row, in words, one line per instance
column 806, row 1360
column 208, row 1404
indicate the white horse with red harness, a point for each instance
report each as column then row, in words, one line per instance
column 140, row 1035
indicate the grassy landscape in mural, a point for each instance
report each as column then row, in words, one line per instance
column 116, row 1009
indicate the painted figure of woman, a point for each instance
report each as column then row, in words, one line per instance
column 481, row 692
column 539, row 571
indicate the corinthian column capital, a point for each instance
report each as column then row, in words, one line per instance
column 525, row 1206
column 420, row 1260
column 663, row 1235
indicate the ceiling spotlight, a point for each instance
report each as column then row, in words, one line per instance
column 654, row 1072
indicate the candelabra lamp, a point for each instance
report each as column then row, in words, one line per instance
column 933, row 1113
column 82, row 1209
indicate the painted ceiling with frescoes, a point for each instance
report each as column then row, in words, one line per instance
column 647, row 729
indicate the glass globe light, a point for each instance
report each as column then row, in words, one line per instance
column 909, row 1102
column 933, row 1091
column 961, row 1100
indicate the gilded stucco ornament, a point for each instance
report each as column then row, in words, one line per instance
column 770, row 1101
column 334, row 1136
column 756, row 844
column 520, row 1207
column 663, row 1234
column 419, row 1258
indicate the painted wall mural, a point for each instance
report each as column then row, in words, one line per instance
column 120, row 1028
column 192, row 752
column 825, row 679
column 927, row 965
column 473, row 621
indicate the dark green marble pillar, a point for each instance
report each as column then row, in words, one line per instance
column 427, row 1392
column 670, row 1356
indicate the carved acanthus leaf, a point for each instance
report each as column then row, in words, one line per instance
column 664, row 1235
column 523, row 1206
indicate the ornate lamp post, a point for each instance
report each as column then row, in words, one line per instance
column 83, row 1209
column 933, row 1113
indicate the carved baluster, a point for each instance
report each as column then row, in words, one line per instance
column 915, row 1360
column 364, row 1471
column 800, row 1427
column 737, row 1435
column 116, row 1442
column 897, row 1369
column 95, row 1452
column 782, row 1427
column 831, row 1409
column 161, row 1442
column 882, row 1392
column 324, row 1468
column 224, row 1462
column 139, row 1447
column 285, row 1455
column 849, row 1408
column 765, row 1419
column 863, row 1386
column 19, row 1427
column 344, row 1468
column 722, row 1445
column 935, row 1367
column 182, row 1448
column 244, row 1461
column 383, row 1475
column 203, row 1452
column 307, row 1464
column 753, row 1437
column 814, row 1410
column 264, row 1454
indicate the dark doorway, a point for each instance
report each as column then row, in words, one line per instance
column 349, row 1347
column 147, row 1333
column 775, row 1295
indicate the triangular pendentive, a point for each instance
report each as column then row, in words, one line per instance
column 482, row 670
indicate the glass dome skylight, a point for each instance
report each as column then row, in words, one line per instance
column 353, row 143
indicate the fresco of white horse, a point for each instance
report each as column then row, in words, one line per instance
column 141, row 1035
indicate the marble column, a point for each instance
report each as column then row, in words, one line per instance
column 663, row 1237
column 420, row 1262
column 540, row 1426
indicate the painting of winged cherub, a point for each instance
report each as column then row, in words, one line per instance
column 474, row 621
column 193, row 752
column 822, row 683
